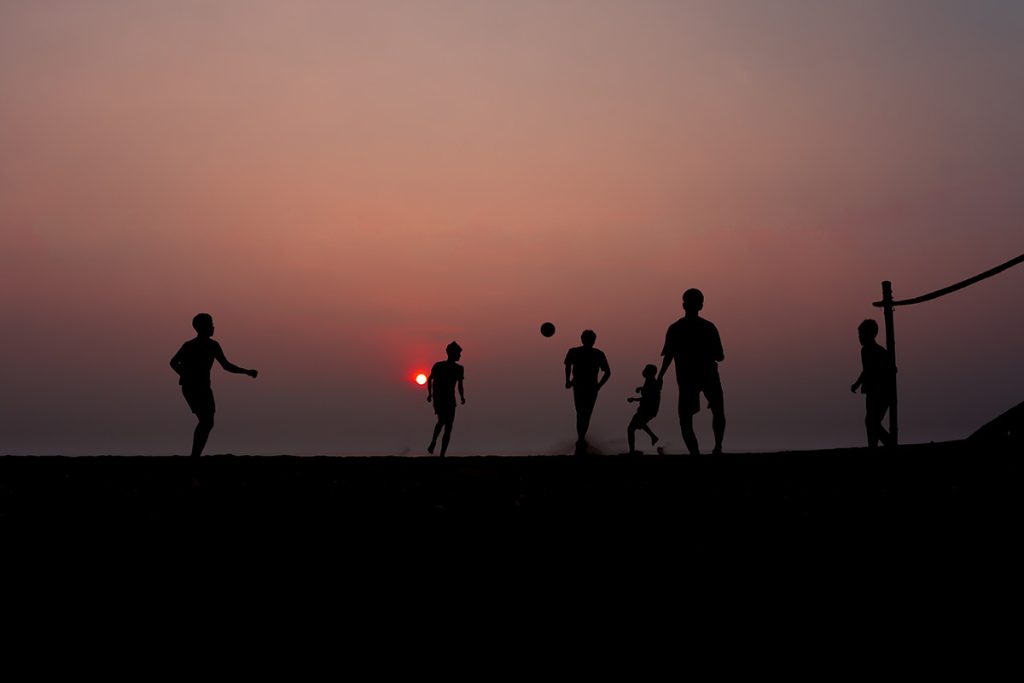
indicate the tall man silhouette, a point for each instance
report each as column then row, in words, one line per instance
column 193, row 363
column 693, row 343
column 581, row 366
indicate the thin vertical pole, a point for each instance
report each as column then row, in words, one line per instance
column 890, row 344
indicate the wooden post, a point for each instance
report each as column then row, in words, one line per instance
column 890, row 344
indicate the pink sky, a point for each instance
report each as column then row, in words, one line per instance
column 347, row 187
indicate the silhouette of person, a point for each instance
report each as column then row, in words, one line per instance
column 695, row 346
column 441, row 383
column 581, row 367
column 650, row 401
column 876, row 381
column 193, row 362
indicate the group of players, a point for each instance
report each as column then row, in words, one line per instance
column 692, row 343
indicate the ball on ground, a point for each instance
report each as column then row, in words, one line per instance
column 547, row 329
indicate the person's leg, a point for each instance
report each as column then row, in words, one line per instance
column 433, row 439
column 585, row 400
column 201, row 434
column 716, row 402
column 689, row 404
column 875, row 411
column 689, row 437
column 631, row 434
column 654, row 437
column 447, row 436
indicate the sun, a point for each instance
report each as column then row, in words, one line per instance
column 421, row 378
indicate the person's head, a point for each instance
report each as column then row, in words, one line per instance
column 867, row 331
column 454, row 351
column 588, row 337
column 693, row 301
column 203, row 324
column 650, row 371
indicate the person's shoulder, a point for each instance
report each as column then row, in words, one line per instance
column 706, row 324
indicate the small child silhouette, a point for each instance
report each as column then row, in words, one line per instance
column 650, row 400
column 876, row 381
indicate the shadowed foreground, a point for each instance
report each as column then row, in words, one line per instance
column 946, row 499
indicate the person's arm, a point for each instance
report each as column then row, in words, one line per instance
column 229, row 366
column 719, row 352
column 666, row 353
column 860, row 378
column 430, row 386
column 568, row 370
column 607, row 372
column 177, row 362
column 462, row 393
column 666, row 361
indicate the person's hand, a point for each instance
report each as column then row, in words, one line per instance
column 252, row 373
column 853, row 388
column 630, row 399
column 463, row 399
column 568, row 384
column 429, row 397
column 637, row 390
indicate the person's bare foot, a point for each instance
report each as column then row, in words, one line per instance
column 430, row 448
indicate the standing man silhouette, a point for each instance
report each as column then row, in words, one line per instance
column 581, row 366
column 444, row 377
column 193, row 363
column 693, row 343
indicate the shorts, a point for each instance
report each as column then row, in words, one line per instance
column 640, row 420
column 445, row 411
column 690, row 391
column 584, row 398
column 200, row 400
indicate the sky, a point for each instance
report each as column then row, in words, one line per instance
column 348, row 186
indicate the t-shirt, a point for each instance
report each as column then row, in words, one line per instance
column 878, row 370
column 585, row 362
column 694, row 346
column 650, row 397
column 446, row 374
column 195, row 359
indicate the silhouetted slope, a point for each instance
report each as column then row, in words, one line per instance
column 1006, row 430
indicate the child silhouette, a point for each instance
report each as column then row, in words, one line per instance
column 650, row 400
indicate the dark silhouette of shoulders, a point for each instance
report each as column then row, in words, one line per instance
column 196, row 358
column 693, row 340
column 586, row 362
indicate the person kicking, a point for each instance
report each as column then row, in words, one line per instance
column 193, row 363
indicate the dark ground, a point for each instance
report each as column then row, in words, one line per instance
column 932, row 530
column 943, row 499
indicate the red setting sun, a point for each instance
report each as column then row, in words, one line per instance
column 421, row 378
